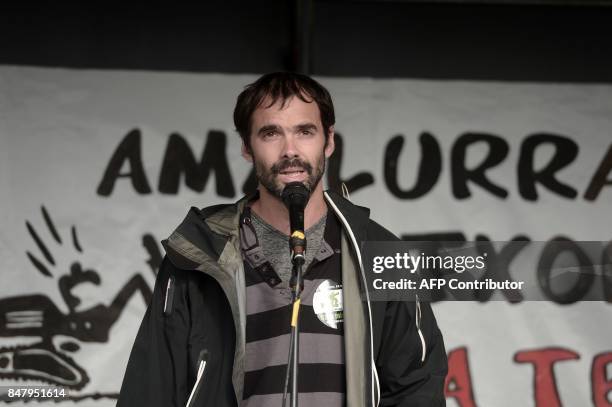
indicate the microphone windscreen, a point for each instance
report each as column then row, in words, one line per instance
column 295, row 193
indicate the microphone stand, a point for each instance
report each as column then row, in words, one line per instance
column 295, row 196
column 292, row 368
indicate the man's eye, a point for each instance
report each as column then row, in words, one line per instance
column 269, row 134
column 306, row 132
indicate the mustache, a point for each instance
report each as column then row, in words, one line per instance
column 291, row 162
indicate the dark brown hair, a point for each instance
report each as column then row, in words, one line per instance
column 283, row 86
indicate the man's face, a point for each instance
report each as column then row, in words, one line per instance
column 288, row 145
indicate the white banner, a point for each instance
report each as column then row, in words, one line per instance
column 96, row 167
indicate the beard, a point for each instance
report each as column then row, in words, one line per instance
column 269, row 177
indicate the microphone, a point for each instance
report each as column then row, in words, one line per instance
column 295, row 197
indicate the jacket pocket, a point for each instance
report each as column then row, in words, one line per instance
column 198, row 383
column 169, row 297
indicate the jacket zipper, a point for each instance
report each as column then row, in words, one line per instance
column 417, row 316
column 373, row 373
column 169, row 296
column 418, row 326
column 198, row 383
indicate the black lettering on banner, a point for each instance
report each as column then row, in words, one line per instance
column 128, row 150
column 600, row 178
column 179, row 159
column 155, row 256
column 566, row 151
column 586, row 275
column 429, row 167
column 250, row 184
column 498, row 266
column 354, row 183
column 498, row 150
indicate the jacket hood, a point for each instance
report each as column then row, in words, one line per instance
column 203, row 233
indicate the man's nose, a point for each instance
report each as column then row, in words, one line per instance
column 290, row 147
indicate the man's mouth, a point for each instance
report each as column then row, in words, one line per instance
column 291, row 171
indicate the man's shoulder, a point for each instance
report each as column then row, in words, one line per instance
column 210, row 210
column 360, row 215
column 377, row 232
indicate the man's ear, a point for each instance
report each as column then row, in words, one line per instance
column 246, row 153
column 331, row 146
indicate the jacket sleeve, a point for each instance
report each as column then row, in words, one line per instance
column 157, row 370
column 412, row 360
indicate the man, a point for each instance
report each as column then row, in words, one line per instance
column 217, row 330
